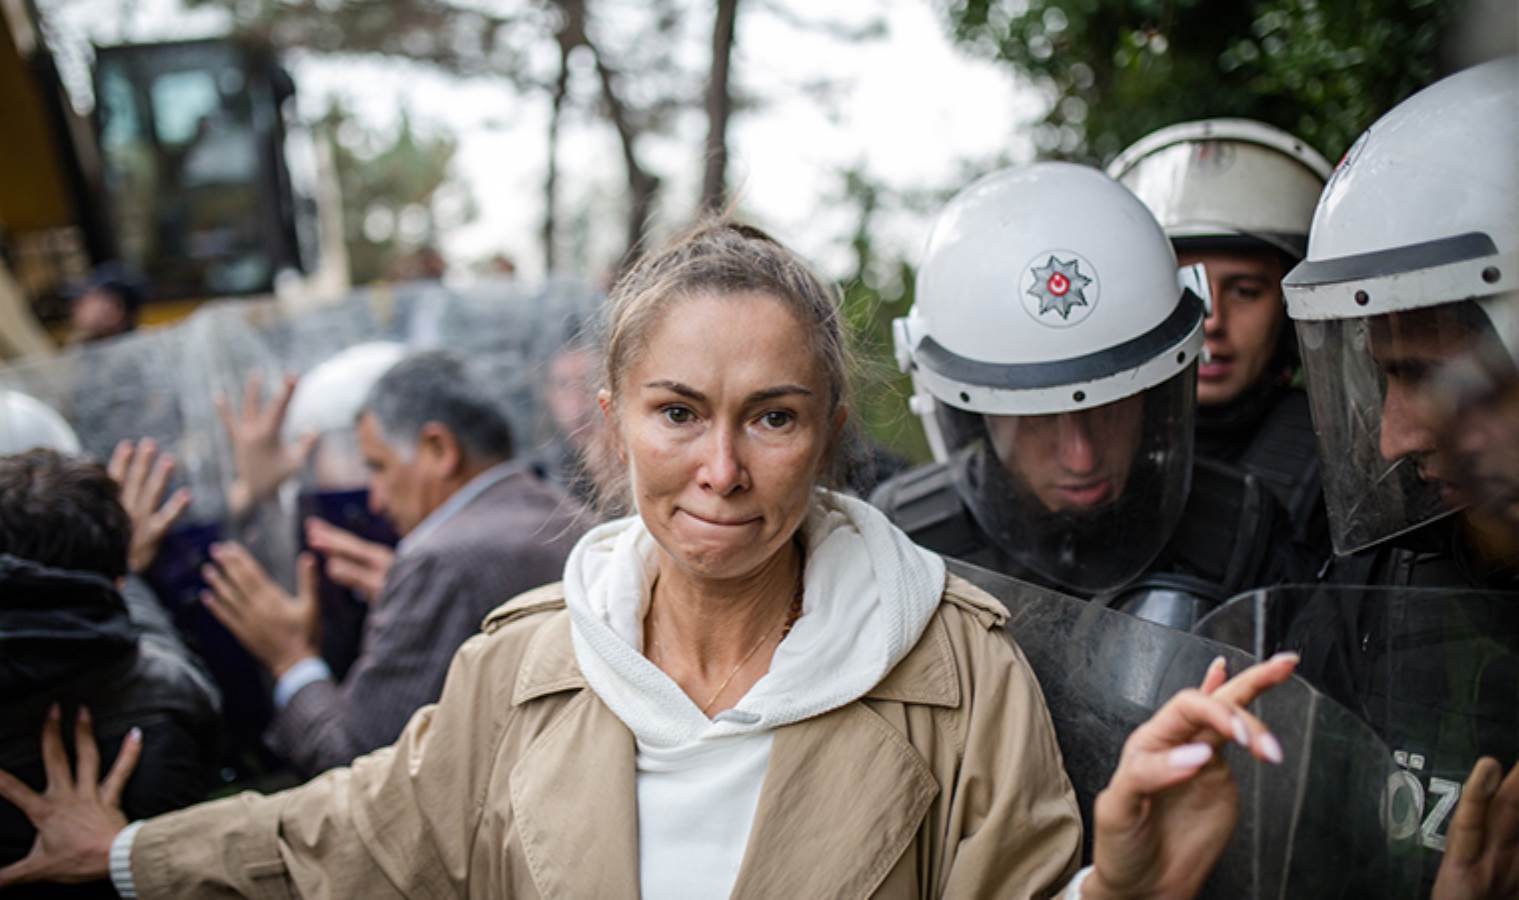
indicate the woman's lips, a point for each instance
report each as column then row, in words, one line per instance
column 720, row 522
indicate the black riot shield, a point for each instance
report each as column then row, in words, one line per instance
column 1311, row 827
column 1434, row 672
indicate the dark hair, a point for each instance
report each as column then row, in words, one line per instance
column 437, row 386
column 64, row 512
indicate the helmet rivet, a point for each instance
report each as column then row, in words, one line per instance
column 1080, row 396
column 1362, row 298
column 1181, row 357
column 1491, row 274
column 964, row 397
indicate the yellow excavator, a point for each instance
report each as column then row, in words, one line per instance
column 181, row 174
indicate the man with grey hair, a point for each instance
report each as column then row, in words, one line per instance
column 476, row 529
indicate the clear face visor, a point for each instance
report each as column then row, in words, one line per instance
column 1399, row 444
column 1085, row 499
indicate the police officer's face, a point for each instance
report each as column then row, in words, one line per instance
column 1410, row 349
column 1247, row 319
column 1071, row 461
column 723, row 423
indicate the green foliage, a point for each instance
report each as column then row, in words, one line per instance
column 390, row 185
column 875, row 293
column 1116, row 70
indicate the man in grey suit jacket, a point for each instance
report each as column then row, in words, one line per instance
column 477, row 529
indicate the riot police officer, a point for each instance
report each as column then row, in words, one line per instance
column 1054, row 351
column 1236, row 196
column 1412, row 266
column 1410, row 275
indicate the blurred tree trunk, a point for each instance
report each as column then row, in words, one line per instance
column 642, row 184
column 569, row 36
column 714, row 186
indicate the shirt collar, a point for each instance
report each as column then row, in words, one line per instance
column 456, row 501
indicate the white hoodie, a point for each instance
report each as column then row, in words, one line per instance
column 868, row 593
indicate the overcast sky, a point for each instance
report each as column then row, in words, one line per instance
column 911, row 109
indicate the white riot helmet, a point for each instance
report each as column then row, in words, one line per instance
column 1052, row 348
column 27, row 423
column 326, row 401
column 1219, row 181
column 1413, row 263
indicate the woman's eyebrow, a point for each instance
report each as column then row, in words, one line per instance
column 760, row 396
column 780, row 390
column 675, row 387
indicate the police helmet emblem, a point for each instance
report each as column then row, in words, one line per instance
column 1063, row 285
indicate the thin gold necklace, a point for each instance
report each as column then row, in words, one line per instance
column 793, row 612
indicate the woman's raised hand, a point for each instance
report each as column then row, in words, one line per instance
column 77, row 816
column 1170, row 808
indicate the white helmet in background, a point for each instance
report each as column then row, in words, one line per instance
column 328, row 397
column 327, row 400
column 27, row 423
column 1053, row 353
column 1413, row 263
column 1218, row 181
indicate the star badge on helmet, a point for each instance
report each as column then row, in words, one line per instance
column 1059, row 286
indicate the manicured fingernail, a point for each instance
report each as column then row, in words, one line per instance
column 1218, row 663
column 1284, row 656
column 53, row 712
column 135, row 734
column 1190, row 756
column 1269, row 748
column 84, row 714
column 1241, row 733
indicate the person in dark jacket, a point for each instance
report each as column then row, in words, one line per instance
column 69, row 638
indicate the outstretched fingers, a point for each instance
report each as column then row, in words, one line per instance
column 276, row 410
column 240, row 567
column 1466, row 834
column 121, row 770
column 1192, row 716
column 55, row 761
column 121, row 457
column 1503, row 818
column 16, row 793
column 1217, row 674
column 1244, row 688
column 170, row 512
column 253, row 393
column 87, row 772
column 157, row 481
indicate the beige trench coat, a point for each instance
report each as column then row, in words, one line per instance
column 944, row 781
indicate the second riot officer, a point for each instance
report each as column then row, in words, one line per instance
column 1237, row 196
column 1053, row 348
